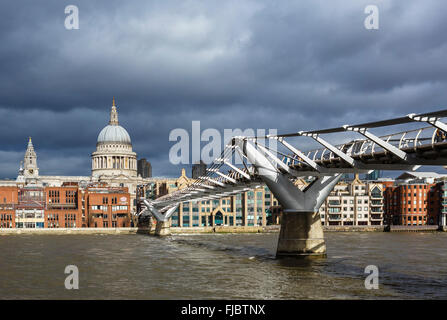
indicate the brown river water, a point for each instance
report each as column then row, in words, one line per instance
column 221, row 266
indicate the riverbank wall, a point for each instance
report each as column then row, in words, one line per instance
column 225, row 229
column 217, row 229
column 353, row 228
column 426, row 228
column 60, row 231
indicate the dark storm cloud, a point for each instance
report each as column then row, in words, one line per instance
column 290, row 65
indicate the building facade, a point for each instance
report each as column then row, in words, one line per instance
column 351, row 203
column 8, row 204
column 249, row 208
column 144, row 168
column 68, row 206
column 198, row 170
column 63, row 208
column 108, row 207
column 441, row 189
column 354, row 203
column 416, row 200
column 29, row 212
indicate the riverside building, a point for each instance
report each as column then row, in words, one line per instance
column 8, row 205
column 68, row 206
column 250, row 208
column 355, row 203
column 416, row 198
column 351, row 203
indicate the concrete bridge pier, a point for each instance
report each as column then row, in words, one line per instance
column 162, row 228
column 301, row 235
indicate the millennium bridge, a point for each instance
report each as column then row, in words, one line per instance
column 404, row 143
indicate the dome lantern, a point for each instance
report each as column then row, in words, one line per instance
column 114, row 115
column 114, row 133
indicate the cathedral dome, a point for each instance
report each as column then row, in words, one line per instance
column 114, row 133
column 114, row 155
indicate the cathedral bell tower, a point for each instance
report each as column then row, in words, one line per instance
column 30, row 162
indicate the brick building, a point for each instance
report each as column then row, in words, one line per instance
column 415, row 199
column 108, row 207
column 441, row 193
column 63, row 208
column 68, row 206
column 8, row 204
column 411, row 204
column 30, row 207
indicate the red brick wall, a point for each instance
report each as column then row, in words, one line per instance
column 410, row 203
column 63, row 211
column 8, row 201
column 114, row 208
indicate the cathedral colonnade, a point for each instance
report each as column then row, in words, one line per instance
column 114, row 162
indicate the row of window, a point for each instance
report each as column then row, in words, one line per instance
column 66, row 225
column 119, row 208
column 70, row 217
column 105, row 200
column 6, row 217
column 414, row 202
column 5, row 224
column 415, row 186
column 359, row 216
column 414, row 209
column 359, row 201
column 114, row 208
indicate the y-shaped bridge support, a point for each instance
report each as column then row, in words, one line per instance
column 162, row 227
column 301, row 231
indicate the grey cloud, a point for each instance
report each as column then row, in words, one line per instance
column 230, row 64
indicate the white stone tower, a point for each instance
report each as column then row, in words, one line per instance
column 30, row 162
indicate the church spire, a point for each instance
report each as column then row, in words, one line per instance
column 30, row 161
column 113, row 114
column 30, row 149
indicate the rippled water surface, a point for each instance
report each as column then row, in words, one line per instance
column 221, row 266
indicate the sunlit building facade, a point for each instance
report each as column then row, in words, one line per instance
column 351, row 203
column 354, row 203
column 415, row 202
column 249, row 208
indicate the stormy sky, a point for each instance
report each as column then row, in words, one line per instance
column 288, row 65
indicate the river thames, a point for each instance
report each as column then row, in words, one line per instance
column 221, row 266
